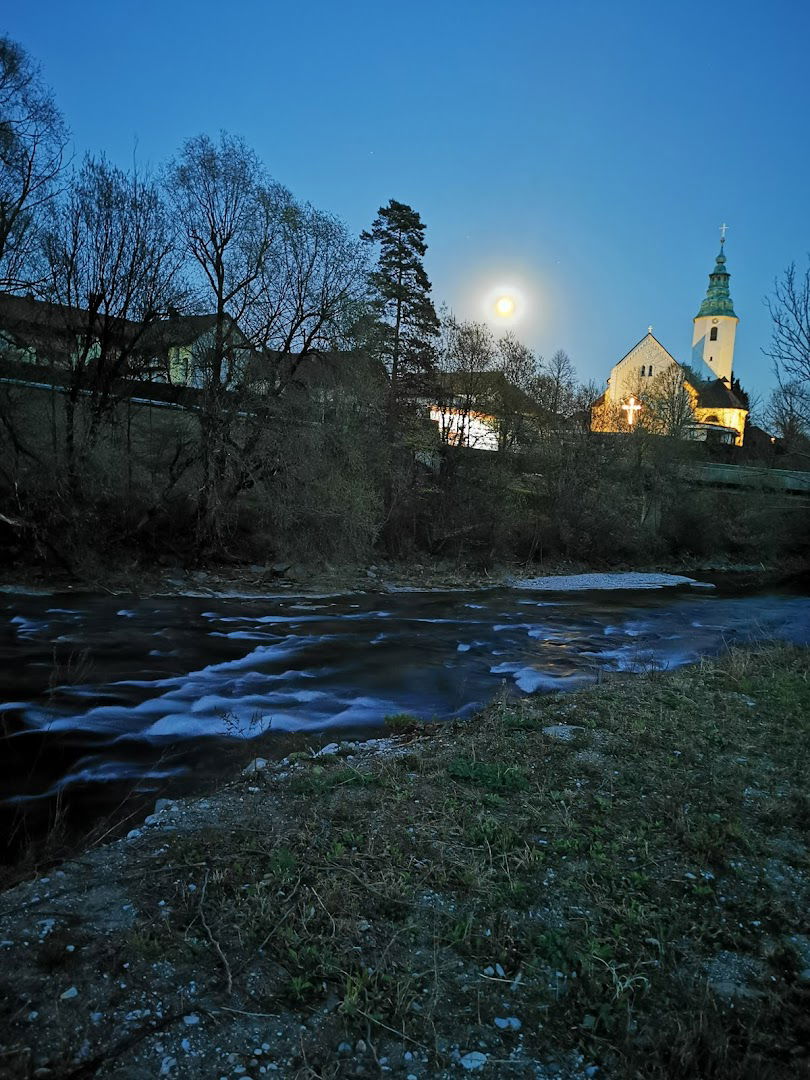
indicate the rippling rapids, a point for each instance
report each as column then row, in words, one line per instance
column 99, row 691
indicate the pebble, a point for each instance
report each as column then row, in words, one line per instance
column 133, row 834
column 407, row 1056
column 68, row 994
column 499, row 971
column 508, row 1023
column 473, row 1061
column 345, row 1048
column 137, row 1014
column 562, row 732
column 191, row 1019
column 257, row 765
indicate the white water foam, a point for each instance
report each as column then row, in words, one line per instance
column 530, row 679
column 580, row 582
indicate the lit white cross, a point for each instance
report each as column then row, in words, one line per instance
column 631, row 408
column 649, row 329
column 723, row 229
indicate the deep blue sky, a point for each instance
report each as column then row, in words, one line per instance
column 583, row 151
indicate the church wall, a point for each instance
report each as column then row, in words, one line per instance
column 626, row 378
column 733, row 418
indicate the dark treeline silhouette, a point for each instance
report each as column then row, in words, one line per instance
column 194, row 365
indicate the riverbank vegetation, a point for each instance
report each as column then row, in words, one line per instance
column 608, row 883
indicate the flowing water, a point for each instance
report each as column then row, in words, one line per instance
column 101, row 694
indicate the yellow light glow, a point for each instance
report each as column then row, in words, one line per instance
column 505, row 306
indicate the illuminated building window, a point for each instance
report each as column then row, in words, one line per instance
column 713, row 334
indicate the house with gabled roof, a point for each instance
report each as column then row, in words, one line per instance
column 168, row 358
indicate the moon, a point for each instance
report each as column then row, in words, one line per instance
column 505, row 306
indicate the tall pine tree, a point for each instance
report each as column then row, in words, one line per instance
column 408, row 322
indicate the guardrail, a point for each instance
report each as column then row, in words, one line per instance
column 752, row 478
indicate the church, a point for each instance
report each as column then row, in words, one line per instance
column 649, row 389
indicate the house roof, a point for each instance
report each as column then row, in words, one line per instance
column 487, row 388
column 51, row 330
column 356, row 371
column 649, row 336
column 31, row 321
column 716, row 395
column 178, row 330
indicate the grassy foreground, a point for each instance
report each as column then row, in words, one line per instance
column 612, row 883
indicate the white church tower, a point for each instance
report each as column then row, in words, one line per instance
column 716, row 323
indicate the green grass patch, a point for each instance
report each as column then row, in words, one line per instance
column 494, row 776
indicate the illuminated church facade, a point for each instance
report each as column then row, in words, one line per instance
column 648, row 388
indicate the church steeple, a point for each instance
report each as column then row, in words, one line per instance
column 716, row 322
column 718, row 301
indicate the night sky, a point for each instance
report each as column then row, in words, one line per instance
column 581, row 153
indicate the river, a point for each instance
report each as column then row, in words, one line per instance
column 102, row 695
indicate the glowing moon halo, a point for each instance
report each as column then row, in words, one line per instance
column 503, row 304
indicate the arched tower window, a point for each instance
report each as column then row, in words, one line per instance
column 713, row 334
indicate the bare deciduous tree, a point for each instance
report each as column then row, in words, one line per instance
column 465, row 364
column 311, row 286
column 789, row 351
column 518, row 415
column 786, row 416
column 279, row 277
column 112, row 267
column 33, row 137
column 556, row 387
column 667, row 405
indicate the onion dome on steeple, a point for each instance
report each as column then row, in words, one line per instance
column 718, row 301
